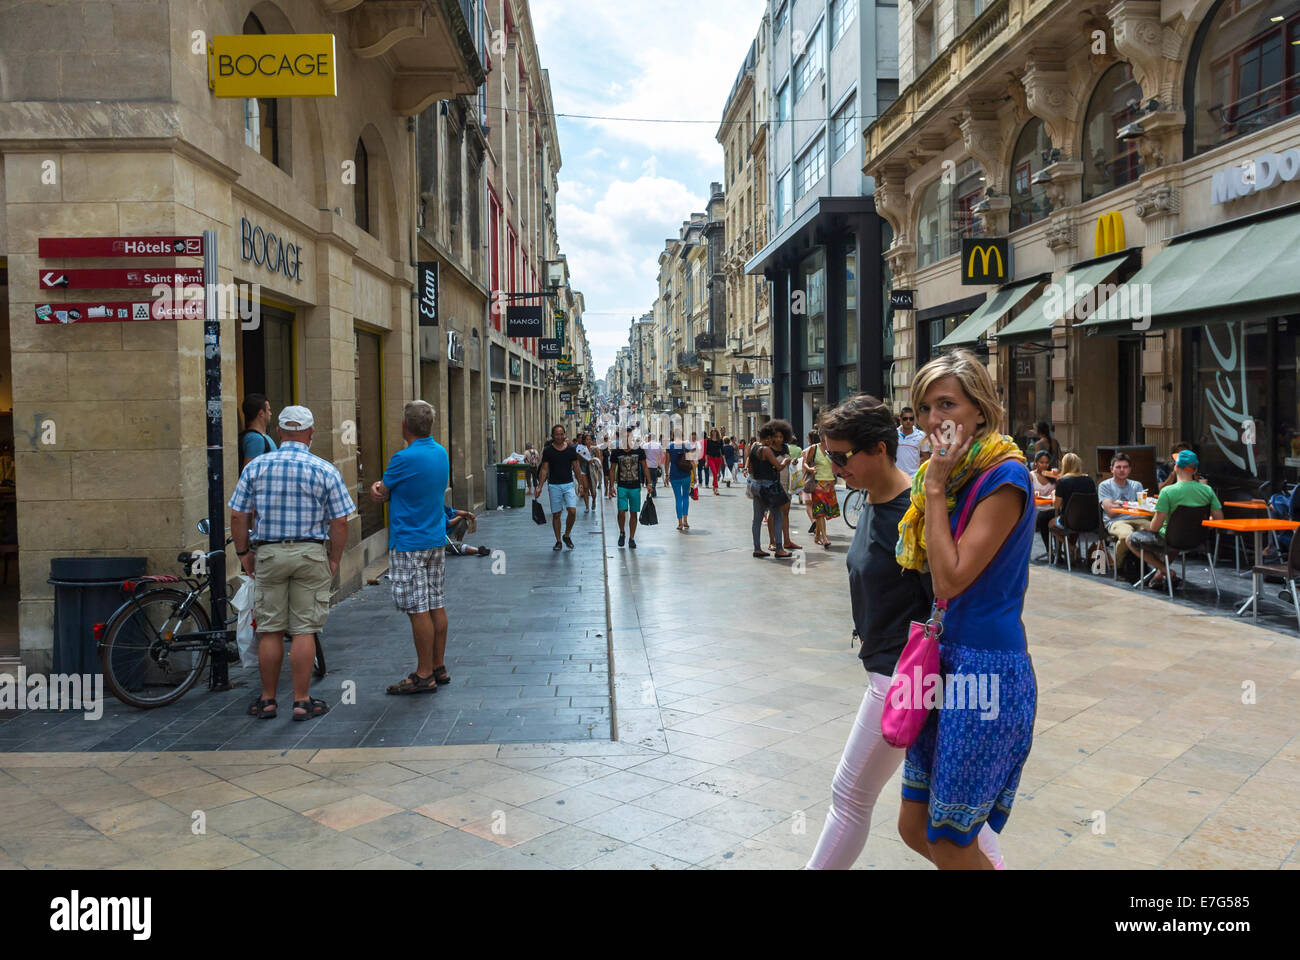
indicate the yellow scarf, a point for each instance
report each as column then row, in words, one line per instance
column 982, row 454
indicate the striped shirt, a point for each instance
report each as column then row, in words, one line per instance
column 294, row 493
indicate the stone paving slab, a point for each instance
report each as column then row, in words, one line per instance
column 1146, row 755
column 528, row 653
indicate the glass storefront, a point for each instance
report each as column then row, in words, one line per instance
column 370, row 456
column 813, row 276
column 1240, row 402
column 1031, row 392
column 264, row 358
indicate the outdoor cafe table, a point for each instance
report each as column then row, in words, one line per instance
column 1257, row 526
column 1134, row 511
column 1246, row 504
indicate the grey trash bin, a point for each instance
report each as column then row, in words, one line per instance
column 86, row 591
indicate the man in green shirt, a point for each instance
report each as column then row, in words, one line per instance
column 1186, row 492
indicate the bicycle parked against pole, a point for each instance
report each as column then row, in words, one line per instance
column 156, row 645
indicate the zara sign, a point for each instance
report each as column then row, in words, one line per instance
column 1264, row 172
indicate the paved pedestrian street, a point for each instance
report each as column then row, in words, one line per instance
column 1165, row 737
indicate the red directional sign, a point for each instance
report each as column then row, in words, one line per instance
column 120, row 247
column 115, row 311
column 119, row 279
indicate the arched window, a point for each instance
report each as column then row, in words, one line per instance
column 1109, row 163
column 947, row 213
column 361, row 189
column 261, row 115
column 1244, row 71
column 1029, row 202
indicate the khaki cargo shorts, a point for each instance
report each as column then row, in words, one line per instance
column 291, row 588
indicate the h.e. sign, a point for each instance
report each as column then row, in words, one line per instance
column 427, row 296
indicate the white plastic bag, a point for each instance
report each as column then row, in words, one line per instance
column 246, row 639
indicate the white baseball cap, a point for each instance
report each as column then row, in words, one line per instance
column 296, row 418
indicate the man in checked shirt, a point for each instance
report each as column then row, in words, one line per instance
column 299, row 500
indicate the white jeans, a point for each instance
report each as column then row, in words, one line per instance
column 866, row 765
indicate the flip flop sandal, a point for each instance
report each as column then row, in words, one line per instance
column 315, row 708
column 414, row 683
column 259, row 709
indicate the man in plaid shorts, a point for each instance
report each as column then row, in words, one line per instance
column 414, row 485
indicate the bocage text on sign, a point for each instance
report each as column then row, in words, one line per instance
column 273, row 65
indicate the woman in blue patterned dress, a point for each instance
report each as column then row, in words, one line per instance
column 964, row 768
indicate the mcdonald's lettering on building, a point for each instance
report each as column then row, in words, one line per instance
column 1110, row 234
column 985, row 260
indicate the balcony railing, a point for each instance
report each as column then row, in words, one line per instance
column 949, row 69
column 687, row 360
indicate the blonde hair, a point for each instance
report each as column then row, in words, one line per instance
column 1071, row 465
column 974, row 379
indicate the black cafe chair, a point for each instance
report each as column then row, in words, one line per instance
column 1184, row 534
column 1289, row 571
column 1081, row 516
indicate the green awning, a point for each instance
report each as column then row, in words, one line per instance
column 1039, row 317
column 1244, row 271
column 985, row 318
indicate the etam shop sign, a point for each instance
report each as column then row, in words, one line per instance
column 268, row 250
column 1264, row 172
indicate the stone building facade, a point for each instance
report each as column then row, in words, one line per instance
column 1103, row 141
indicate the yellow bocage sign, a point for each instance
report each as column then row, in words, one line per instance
column 273, row 65
column 1110, row 234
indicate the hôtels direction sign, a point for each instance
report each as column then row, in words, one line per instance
column 120, row 247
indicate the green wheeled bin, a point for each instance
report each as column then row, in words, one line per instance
column 517, row 477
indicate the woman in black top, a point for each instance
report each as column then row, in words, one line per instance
column 861, row 439
column 1047, row 442
column 1072, row 480
column 767, row 459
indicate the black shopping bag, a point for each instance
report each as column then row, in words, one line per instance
column 649, row 516
column 539, row 515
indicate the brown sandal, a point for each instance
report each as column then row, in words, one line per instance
column 414, row 683
column 264, row 709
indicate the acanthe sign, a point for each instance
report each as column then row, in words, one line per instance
column 273, row 65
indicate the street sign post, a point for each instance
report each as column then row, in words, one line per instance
column 219, row 678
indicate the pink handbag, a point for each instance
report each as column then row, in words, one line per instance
column 903, row 715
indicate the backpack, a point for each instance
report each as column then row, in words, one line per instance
column 266, row 443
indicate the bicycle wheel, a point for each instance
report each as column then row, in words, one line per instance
column 852, row 508
column 318, row 668
column 145, row 658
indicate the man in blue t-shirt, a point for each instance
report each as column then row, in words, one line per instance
column 414, row 485
column 255, row 441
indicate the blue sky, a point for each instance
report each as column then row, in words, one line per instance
column 626, row 187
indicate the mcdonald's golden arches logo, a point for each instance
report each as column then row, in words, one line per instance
column 1110, row 234
column 985, row 260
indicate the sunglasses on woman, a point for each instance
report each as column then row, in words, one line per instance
column 841, row 458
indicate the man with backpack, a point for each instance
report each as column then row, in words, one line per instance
column 254, row 441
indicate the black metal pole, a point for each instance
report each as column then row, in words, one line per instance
column 219, row 679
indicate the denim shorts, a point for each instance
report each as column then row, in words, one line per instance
column 564, row 495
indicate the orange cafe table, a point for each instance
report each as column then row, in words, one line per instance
column 1259, row 527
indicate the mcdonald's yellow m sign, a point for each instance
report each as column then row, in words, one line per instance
column 985, row 260
column 1110, row 234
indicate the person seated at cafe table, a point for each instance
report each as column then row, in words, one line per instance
column 1184, row 492
column 1044, row 489
column 1165, row 473
column 1072, row 480
column 1115, row 491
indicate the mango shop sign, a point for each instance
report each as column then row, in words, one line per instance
column 985, row 260
column 268, row 250
column 273, row 65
